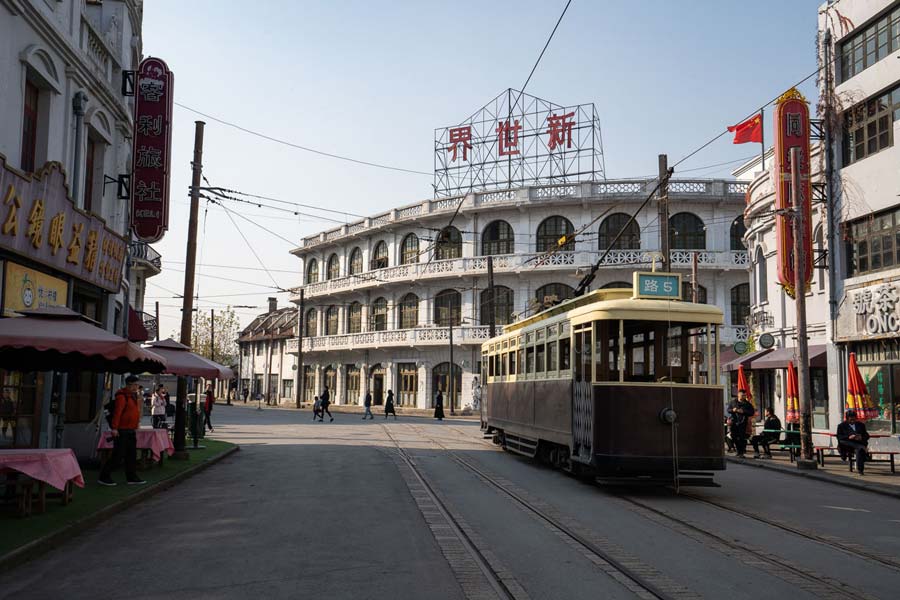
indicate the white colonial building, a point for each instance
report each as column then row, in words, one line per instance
column 265, row 366
column 61, row 67
column 382, row 296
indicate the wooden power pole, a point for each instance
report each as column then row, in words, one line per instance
column 663, row 195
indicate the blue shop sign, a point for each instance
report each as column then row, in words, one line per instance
column 657, row 285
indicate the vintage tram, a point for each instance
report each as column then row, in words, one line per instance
column 612, row 384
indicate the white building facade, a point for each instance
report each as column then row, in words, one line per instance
column 61, row 67
column 382, row 296
column 265, row 366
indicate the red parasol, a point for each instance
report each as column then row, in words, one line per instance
column 742, row 384
column 792, row 397
column 857, row 395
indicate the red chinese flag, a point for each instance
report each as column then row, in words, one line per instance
column 748, row 131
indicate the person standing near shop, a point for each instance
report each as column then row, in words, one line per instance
column 854, row 437
column 739, row 413
column 158, row 407
column 126, row 418
column 208, row 405
column 439, row 406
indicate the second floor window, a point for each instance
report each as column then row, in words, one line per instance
column 379, row 315
column 354, row 318
column 409, row 250
column 870, row 45
column 380, row 256
column 874, row 242
column 409, row 311
column 448, row 244
column 356, row 262
column 331, row 321
column 740, row 304
column 29, row 127
column 868, row 126
column 334, row 267
column 551, row 231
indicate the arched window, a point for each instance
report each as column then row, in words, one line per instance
column 331, row 320
column 354, row 318
column 448, row 244
column 553, row 293
column 334, row 267
column 498, row 238
column 687, row 293
column 409, row 311
column 616, row 285
column 738, row 229
column 448, row 308
column 762, row 277
column 379, row 315
column 687, row 232
column 356, row 262
column 409, row 250
column 312, row 271
column 503, row 305
column 819, row 257
column 610, row 228
column 740, row 304
column 441, row 383
column 379, row 256
column 551, row 230
column 310, row 327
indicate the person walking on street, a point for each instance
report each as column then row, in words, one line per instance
column 158, row 408
column 852, row 434
column 208, row 405
column 389, row 405
column 368, row 404
column 245, row 393
column 739, row 412
column 325, row 399
column 126, row 418
column 439, row 406
column 770, row 434
column 317, row 407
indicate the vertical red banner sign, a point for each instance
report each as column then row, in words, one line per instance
column 792, row 131
column 152, row 150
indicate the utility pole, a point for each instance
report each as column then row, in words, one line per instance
column 301, row 379
column 187, row 309
column 695, row 362
column 663, row 195
column 452, row 385
column 806, row 447
column 156, row 314
column 492, row 317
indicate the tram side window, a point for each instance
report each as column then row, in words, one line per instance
column 520, row 359
column 586, row 356
column 579, row 373
column 491, row 366
column 529, row 360
column 512, row 362
column 502, row 358
column 539, row 358
column 552, row 356
column 565, row 354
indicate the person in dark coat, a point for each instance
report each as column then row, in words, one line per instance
column 389, row 405
column 368, row 404
column 739, row 412
column 245, row 393
column 767, row 437
column 439, row 406
column 325, row 400
column 208, row 405
column 852, row 434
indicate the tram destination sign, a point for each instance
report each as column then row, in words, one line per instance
column 660, row 286
column 517, row 140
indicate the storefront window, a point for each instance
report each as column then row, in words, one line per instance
column 18, row 409
column 878, row 383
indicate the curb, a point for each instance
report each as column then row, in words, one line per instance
column 352, row 409
column 40, row 546
column 875, row 488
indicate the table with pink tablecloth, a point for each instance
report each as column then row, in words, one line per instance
column 54, row 466
column 155, row 440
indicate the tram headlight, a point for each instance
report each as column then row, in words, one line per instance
column 668, row 416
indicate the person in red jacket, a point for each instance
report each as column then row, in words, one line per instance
column 208, row 405
column 126, row 418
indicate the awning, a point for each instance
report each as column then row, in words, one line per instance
column 136, row 330
column 60, row 339
column 744, row 360
column 778, row 359
column 181, row 361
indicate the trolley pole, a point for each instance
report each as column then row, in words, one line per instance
column 663, row 195
column 492, row 318
column 301, row 375
column 806, row 447
column 187, row 310
column 695, row 359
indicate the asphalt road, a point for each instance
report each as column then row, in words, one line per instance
column 334, row 510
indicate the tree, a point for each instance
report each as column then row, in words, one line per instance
column 227, row 330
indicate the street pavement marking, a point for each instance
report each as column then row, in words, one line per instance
column 846, row 508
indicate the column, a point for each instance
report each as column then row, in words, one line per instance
column 340, row 385
column 429, row 385
column 424, row 386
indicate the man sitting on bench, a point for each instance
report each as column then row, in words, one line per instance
column 853, row 436
column 767, row 437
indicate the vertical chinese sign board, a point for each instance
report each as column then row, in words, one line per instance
column 152, row 150
column 792, row 131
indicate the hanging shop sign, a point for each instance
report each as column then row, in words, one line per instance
column 39, row 221
column 792, row 131
column 151, row 153
column 517, row 140
column 875, row 310
column 27, row 289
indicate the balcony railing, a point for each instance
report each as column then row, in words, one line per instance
column 144, row 253
column 150, row 324
column 519, row 263
column 423, row 336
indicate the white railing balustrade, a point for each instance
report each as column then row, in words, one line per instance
column 424, row 336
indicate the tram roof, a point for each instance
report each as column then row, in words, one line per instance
column 614, row 304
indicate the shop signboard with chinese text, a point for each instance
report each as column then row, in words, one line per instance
column 660, row 286
column 151, row 153
column 518, row 140
column 792, row 131
column 40, row 222
column 28, row 289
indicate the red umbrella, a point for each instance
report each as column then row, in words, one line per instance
column 60, row 339
column 742, row 384
column 857, row 395
column 792, row 397
column 181, row 361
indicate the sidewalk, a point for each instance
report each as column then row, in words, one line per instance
column 878, row 477
column 378, row 411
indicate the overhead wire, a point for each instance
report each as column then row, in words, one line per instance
column 339, row 212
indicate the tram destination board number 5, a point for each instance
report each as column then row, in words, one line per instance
column 661, row 286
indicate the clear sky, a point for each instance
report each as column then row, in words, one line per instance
column 373, row 79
